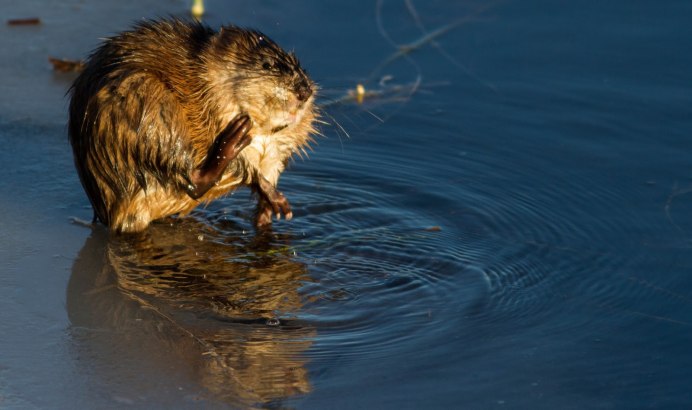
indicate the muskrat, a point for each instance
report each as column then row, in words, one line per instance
column 160, row 121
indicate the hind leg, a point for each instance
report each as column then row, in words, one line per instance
column 270, row 202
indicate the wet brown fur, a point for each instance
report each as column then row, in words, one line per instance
column 150, row 102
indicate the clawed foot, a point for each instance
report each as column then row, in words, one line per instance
column 271, row 202
column 226, row 147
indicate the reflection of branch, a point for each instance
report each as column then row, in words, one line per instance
column 208, row 349
column 403, row 50
column 655, row 288
column 612, row 307
column 674, row 193
column 385, row 93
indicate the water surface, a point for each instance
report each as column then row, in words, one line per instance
column 504, row 223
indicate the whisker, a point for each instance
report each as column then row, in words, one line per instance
column 351, row 121
column 339, row 127
column 373, row 115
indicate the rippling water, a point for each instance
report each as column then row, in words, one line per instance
column 505, row 222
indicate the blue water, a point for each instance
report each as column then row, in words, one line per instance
column 504, row 223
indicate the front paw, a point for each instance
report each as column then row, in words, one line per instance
column 225, row 148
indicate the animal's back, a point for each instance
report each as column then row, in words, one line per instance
column 129, row 123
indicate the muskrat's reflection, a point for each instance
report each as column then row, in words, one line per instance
column 223, row 304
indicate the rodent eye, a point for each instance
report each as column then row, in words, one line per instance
column 267, row 66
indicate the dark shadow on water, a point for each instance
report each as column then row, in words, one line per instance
column 211, row 309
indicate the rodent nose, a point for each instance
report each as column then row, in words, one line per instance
column 303, row 91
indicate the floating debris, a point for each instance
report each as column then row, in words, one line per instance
column 66, row 66
column 385, row 93
column 30, row 21
column 360, row 93
column 197, row 9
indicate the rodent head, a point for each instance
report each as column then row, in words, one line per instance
column 264, row 80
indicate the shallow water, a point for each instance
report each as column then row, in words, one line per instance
column 507, row 223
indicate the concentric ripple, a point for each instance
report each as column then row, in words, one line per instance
column 381, row 261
